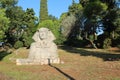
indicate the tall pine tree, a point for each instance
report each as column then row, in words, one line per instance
column 43, row 10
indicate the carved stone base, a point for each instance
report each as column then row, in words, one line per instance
column 37, row 62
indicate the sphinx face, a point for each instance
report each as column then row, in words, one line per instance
column 43, row 34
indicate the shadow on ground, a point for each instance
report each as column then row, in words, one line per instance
column 66, row 75
column 106, row 56
column 3, row 54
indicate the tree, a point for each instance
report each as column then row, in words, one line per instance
column 111, row 21
column 43, row 10
column 116, row 22
column 4, row 24
column 71, row 23
column 8, row 3
column 22, row 23
column 110, row 3
column 63, row 16
column 93, row 11
column 83, row 2
column 51, row 17
column 29, row 22
column 15, row 14
column 75, row 9
column 67, row 25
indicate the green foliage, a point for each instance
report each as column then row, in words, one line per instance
column 21, row 22
column 52, row 25
column 18, row 44
column 67, row 25
column 60, row 40
column 29, row 21
column 91, row 37
column 29, row 18
column 43, row 10
column 118, row 46
column 71, row 23
column 27, row 39
column 83, row 2
column 15, row 15
column 3, row 54
column 101, row 38
column 116, row 21
column 116, row 42
column 107, row 43
column 15, row 31
column 8, row 3
column 95, row 10
column 4, row 24
column 112, row 25
column 63, row 16
column 110, row 3
column 51, row 17
column 111, row 21
column 75, row 9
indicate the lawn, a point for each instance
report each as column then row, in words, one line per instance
column 79, row 64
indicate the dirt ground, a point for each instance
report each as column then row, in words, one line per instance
column 79, row 64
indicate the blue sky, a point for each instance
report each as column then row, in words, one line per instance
column 55, row 7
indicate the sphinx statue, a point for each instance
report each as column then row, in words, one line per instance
column 43, row 50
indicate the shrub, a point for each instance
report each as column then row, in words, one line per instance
column 18, row 44
column 60, row 40
column 52, row 25
column 27, row 42
column 116, row 42
column 107, row 43
column 118, row 46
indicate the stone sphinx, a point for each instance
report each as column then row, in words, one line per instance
column 43, row 50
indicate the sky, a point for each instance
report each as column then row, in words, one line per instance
column 55, row 7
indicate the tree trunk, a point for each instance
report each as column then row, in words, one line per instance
column 92, row 43
column 113, row 34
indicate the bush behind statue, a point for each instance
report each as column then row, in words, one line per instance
column 54, row 26
column 18, row 44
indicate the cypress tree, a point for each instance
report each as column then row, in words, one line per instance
column 43, row 10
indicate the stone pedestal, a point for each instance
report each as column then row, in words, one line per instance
column 37, row 62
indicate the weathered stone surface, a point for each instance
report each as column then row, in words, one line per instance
column 43, row 50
